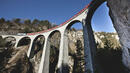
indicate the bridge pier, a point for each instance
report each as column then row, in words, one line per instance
column 16, row 44
column 44, row 64
column 65, row 65
column 89, row 47
column 60, row 60
column 30, row 47
column 63, row 54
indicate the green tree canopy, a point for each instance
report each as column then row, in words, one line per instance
column 35, row 22
column 16, row 20
column 2, row 20
column 45, row 23
column 27, row 21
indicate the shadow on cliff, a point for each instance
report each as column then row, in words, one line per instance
column 110, row 60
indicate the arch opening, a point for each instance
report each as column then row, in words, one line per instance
column 25, row 41
column 54, row 40
column 74, row 32
column 108, row 46
column 36, row 51
column 10, row 41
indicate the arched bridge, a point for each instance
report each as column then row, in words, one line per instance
column 84, row 17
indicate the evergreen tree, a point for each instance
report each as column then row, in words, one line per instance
column 27, row 21
column 2, row 20
column 17, row 20
column 35, row 22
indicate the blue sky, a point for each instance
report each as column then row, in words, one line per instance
column 101, row 20
column 56, row 11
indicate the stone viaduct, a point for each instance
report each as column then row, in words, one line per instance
column 84, row 17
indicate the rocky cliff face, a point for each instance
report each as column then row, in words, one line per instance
column 120, row 15
column 76, row 52
column 15, row 61
column 76, row 47
column 100, row 39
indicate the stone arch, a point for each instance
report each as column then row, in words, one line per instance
column 39, row 40
column 24, row 41
column 54, row 40
column 53, row 32
column 11, row 41
column 92, row 8
column 36, row 51
column 95, row 4
column 71, row 23
column 73, row 61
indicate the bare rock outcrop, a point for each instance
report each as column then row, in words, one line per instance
column 15, row 61
column 120, row 15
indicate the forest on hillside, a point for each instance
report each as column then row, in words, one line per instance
column 18, row 25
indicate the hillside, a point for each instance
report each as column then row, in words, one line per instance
column 23, row 25
column 108, row 48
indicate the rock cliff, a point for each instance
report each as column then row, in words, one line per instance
column 15, row 61
column 120, row 15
